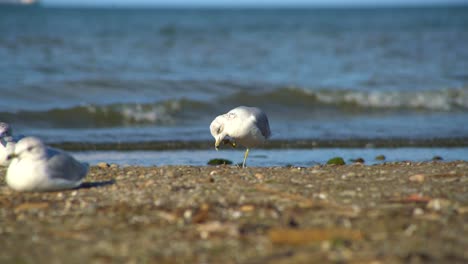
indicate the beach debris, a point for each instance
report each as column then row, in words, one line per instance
column 202, row 214
column 103, row 165
column 215, row 227
column 31, row 206
column 462, row 210
column 417, row 178
column 418, row 211
column 247, row 208
column 358, row 160
column 438, row 204
column 409, row 231
column 380, row 157
column 215, row 162
column 295, row 236
column 336, row 161
column 259, row 176
column 412, row 198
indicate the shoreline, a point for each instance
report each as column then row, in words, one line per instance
column 399, row 212
column 271, row 144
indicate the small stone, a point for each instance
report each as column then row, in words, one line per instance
column 322, row 196
column 149, row 183
column 418, row 211
column 247, row 208
column 438, row 204
column 349, row 193
column 437, row 158
column 236, row 214
column 113, row 165
column 417, row 178
column 259, row 176
column 380, row 157
column 103, row 165
column 462, row 210
column 336, row 161
column 212, row 173
column 358, row 160
column 188, row 214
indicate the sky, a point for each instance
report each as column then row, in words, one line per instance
column 262, row 3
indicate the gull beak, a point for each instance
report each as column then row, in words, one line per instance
column 217, row 143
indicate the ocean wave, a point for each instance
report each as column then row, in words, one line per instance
column 113, row 115
column 455, row 99
column 282, row 101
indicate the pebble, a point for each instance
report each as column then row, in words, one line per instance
column 350, row 193
column 417, row 178
column 438, row 204
column 103, row 165
column 380, row 157
column 462, row 210
column 322, row 196
column 259, row 176
column 418, row 211
column 188, row 214
column 247, row 208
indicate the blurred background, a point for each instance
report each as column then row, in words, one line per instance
column 145, row 71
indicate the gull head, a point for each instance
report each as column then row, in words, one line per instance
column 5, row 130
column 217, row 131
column 28, row 148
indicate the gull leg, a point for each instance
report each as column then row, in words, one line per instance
column 245, row 157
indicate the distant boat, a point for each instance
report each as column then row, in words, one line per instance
column 19, row 2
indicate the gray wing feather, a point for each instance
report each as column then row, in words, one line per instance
column 64, row 166
column 263, row 125
column 262, row 121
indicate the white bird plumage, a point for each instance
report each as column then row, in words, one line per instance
column 247, row 126
column 37, row 167
column 7, row 142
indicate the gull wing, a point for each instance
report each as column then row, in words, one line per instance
column 61, row 165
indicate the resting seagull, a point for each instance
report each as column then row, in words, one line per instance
column 37, row 167
column 7, row 142
column 247, row 126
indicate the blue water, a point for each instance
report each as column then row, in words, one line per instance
column 263, row 158
column 94, row 75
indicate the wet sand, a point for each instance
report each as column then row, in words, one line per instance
column 388, row 213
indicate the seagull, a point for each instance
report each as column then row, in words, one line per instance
column 7, row 142
column 37, row 167
column 247, row 126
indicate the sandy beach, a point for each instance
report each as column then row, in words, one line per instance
column 388, row 213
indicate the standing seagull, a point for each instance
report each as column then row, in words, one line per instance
column 247, row 126
column 7, row 143
column 37, row 167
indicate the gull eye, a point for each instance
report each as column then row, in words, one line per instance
column 30, row 148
